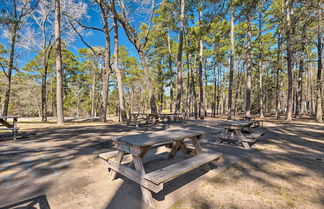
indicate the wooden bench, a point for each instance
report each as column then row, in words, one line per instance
column 8, row 126
column 168, row 173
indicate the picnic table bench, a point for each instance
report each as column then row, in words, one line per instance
column 139, row 144
column 233, row 131
column 9, row 126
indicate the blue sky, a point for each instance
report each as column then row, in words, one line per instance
column 96, row 39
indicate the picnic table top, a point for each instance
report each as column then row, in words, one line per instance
column 144, row 140
column 5, row 117
column 239, row 123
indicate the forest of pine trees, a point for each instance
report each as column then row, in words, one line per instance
column 203, row 58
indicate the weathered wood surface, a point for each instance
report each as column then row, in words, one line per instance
column 239, row 123
column 6, row 117
column 177, row 169
column 133, row 175
column 108, row 155
column 254, row 135
column 144, row 140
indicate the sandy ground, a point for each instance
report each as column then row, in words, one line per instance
column 58, row 167
column 286, row 170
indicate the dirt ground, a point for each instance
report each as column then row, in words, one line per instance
column 286, row 170
column 58, row 167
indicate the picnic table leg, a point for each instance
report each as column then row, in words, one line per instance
column 143, row 153
column 198, row 150
column 245, row 144
column 147, row 195
column 174, row 150
column 118, row 159
column 223, row 134
column 15, row 131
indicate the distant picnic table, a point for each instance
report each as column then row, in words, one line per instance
column 138, row 145
column 233, row 131
column 144, row 118
column 256, row 123
column 9, row 126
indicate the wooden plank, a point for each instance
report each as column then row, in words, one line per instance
column 5, row 123
column 144, row 140
column 177, row 169
column 198, row 150
column 108, row 155
column 254, row 135
column 133, row 175
column 4, row 129
column 118, row 159
column 174, row 150
column 147, row 196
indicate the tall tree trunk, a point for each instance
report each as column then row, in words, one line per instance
column 118, row 74
column 237, row 91
column 148, row 83
column 249, row 67
column 59, row 69
column 289, row 62
column 93, row 93
column 171, row 74
column 44, row 78
column 179, row 57
column 201, row 48
column 214, row 91
column 261, row 96
column 194, row 94
column 278, row 76
column 299, row 109
column 10, row 69
column 107, row 67
column 319, row 113
column 230, row 87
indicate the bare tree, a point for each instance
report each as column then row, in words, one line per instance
column 16, row 15
column 138, row 41
column 118, row 74
column 59, row 69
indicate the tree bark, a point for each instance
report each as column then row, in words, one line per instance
column 179, row 58
column 249, row 67
column 261, row 96
column 59, row 69
column 171, row 74
column 119, row 74
column 289, row 62
column 278, row 76
column 44, row 78
column 319, row 113
column 230, row 87
column 10, row 69
column 299, row 108
column 201, row 48
column 107, row 67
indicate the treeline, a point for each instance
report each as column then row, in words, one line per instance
column 198, row 57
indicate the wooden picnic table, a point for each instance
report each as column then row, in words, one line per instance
column 170, row 117
column 139, row 144
column 233, row 131
column 256, row 123
column 10, row 126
